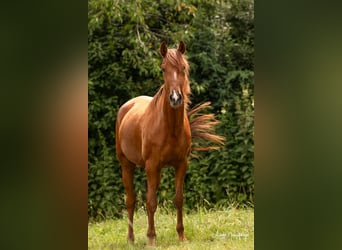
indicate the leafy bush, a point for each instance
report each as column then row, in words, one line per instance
column 123, row 62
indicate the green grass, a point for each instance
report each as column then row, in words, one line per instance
column 223, row 229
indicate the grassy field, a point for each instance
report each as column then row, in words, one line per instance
column 223, row 229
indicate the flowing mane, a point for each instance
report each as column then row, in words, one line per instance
column 158, row 95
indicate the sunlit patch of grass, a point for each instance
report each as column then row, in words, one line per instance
column 205, row 229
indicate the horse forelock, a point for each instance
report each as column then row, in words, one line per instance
column 176, row 59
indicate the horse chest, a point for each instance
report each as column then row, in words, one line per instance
column 174, row 149
column 168, row 149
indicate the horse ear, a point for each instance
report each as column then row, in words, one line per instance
column 163, row 49
column 181, row 47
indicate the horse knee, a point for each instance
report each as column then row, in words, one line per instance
column 152, row 205
column 130, row 202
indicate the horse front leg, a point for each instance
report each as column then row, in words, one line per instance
column 180, row 172
column 153, row 174
column 127, row 178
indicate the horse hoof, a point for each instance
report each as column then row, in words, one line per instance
column 130, row 240
column 151, row 243
column 182, row 238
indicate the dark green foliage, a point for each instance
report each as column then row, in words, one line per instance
column 123, row 43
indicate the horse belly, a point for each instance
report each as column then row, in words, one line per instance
column 131, row 146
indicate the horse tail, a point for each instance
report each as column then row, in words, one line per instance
column 203, row 130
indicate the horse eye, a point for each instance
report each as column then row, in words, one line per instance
column 183, row 68
column 163, row 69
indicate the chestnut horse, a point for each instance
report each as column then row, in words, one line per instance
column 156, row 132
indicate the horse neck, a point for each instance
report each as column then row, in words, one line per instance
column 174, row 118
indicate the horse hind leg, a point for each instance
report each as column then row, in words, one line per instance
column 178, row 200
column 153, row 174
column 127, row 168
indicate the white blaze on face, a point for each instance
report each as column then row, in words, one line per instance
column 174, row 95
column 175, row 75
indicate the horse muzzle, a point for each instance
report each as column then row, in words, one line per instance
column 176, row 99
